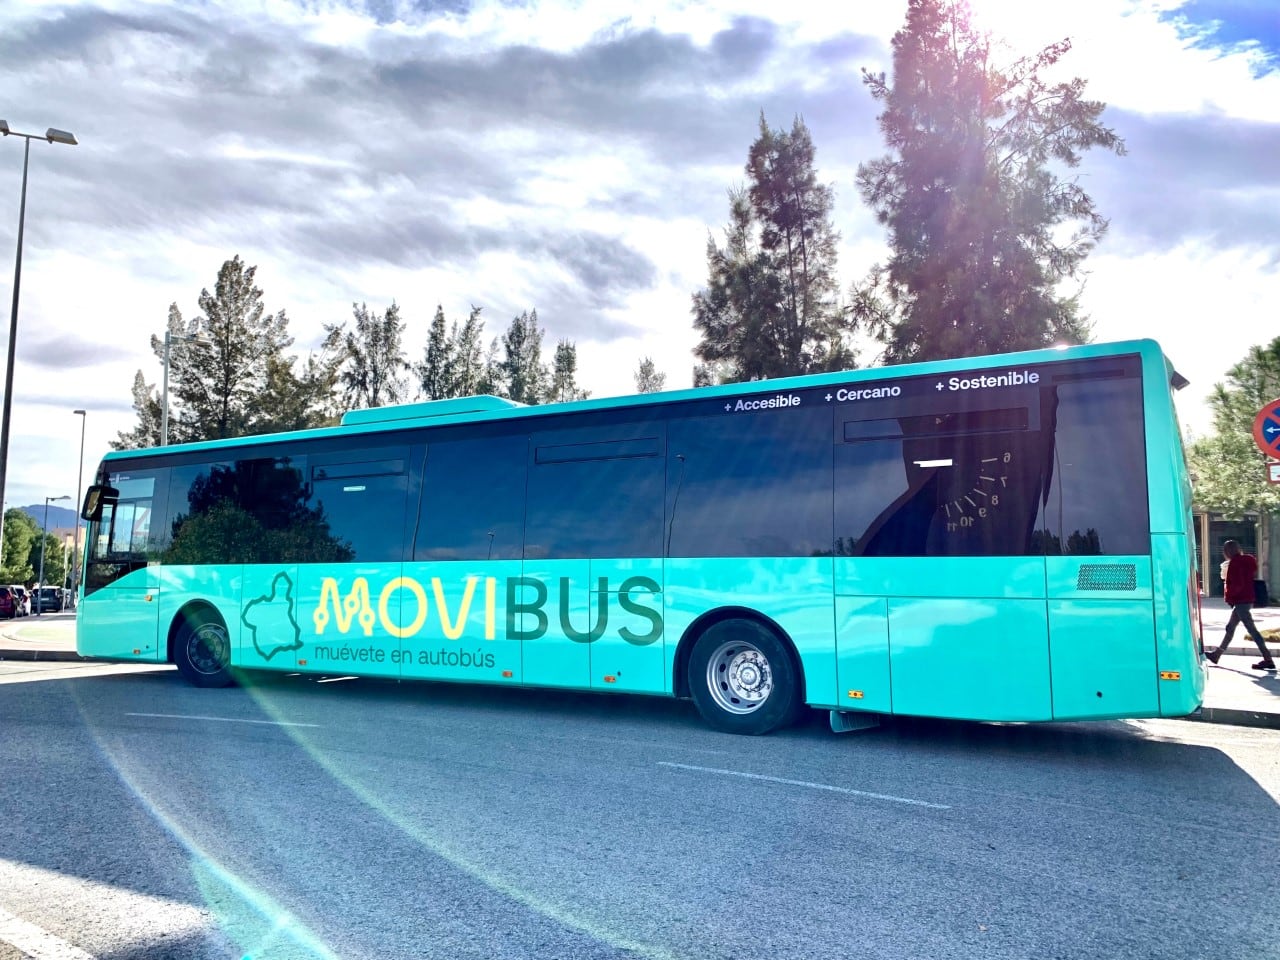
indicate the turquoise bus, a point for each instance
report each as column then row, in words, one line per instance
column 1004, row 538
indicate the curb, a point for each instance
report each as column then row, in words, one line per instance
column 48, row 656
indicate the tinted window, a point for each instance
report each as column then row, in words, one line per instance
column 365, row 516
column 595, row 493
column 473, row 500
column 750, row 485
column 1096, row 501
column 256, row 510
column 1054, row 468
column 938, row 494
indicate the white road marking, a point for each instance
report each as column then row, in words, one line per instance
column 806, row 783
column 186, row 716
column 36, row 942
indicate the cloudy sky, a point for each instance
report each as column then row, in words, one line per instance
column 564, row 155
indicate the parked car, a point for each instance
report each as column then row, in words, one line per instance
column 8, row 607
column 48, row 600
column 22, row 599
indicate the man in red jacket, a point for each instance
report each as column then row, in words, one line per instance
column 1241, row 569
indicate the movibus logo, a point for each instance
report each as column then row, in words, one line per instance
column 516, row 606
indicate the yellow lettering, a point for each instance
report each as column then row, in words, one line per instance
column 453, row 630
column 384, row 601
column 354, row 606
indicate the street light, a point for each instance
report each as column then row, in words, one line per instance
column 164, row 391
column 44, row 535
column 53, row 136
column 75, row 541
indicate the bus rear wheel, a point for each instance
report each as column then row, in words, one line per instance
column 743, row 679
column 202, row 651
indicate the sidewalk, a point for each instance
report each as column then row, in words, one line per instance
column 1235, row 694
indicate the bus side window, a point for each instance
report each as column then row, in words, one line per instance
column 472, row 500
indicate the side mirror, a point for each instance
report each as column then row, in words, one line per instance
column 97, row 496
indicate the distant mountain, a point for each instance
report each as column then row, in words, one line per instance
column 60, row 517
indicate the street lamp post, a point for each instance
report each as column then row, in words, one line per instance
column 75, row 540
column 44, row 535
column 164, row 390
column 53, row 136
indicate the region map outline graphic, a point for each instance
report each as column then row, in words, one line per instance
column 268, row 603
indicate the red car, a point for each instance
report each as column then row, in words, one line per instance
column 8, row 605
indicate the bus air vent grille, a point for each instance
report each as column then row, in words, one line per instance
column 1107, row 576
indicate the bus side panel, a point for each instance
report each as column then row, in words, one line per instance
column 1177, row 650
column 555, row 593
column 347, row 615
column 862, row 654
column 1015, row 578
column 795, row 593
column 265, row 616
column 118, row 621
column 629, row 656
column 977, row 659
column 1103, row 636
column 465, row 638
column 1103, row 657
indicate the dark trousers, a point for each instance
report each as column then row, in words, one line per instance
column 1240, row 614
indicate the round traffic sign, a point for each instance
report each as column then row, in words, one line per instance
column 1266, row 429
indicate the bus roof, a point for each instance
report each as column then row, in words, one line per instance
column 485, row 408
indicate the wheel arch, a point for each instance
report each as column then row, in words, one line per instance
column 193, row 611
column 704, row 622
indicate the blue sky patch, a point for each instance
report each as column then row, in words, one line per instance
column 1232, row 25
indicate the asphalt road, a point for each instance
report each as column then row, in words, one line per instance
column 140, row 817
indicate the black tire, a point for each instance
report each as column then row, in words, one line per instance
column 202, row 651
column 743, row 678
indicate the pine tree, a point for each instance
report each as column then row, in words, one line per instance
column 521, row 372
column 975, row 213
column 564, row 384
column 435, row 373
column 221, row 384
column 373, row 361
column 770, row 307
column 146, row 404
column 468, row 365
column 648, row 379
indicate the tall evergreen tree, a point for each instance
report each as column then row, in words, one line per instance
column 146, row 404
column 435, row 373
column 373, row 364
column 770, row 307
column 522, row 374
column 221, row 385
column 648, row 378
column 974, row 208
column 564, row 385
column 465, row 352
column 302, row 399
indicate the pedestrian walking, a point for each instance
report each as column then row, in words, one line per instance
column 1241, row 569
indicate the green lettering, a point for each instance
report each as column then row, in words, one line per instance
column 515, row 608
column 602, row 612
column 650, row 586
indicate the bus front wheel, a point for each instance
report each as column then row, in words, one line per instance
column 743, row 679
column 202, row 651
